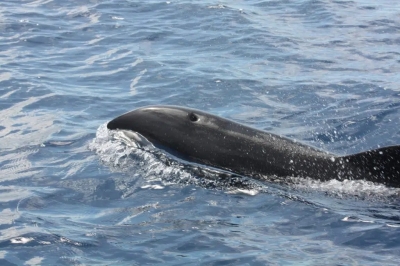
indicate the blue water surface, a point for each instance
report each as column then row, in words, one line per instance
column 322, row 72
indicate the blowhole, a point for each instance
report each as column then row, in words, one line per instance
column 193, row 117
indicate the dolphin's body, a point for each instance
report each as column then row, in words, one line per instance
column 211, row 140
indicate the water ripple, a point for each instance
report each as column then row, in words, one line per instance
column 322, row 72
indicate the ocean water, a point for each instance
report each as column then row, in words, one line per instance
column 325, row 73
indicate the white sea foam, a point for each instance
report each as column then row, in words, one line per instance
column 358, row 188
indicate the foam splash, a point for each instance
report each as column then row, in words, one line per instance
column 357, row 188
column 110, row 151
column 21, row 240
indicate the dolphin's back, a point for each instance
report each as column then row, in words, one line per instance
column 381, row 165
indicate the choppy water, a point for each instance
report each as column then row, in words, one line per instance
column 323, row 72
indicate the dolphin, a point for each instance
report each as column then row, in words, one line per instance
column 211, row 140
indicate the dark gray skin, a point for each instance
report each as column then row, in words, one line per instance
column 211, row 140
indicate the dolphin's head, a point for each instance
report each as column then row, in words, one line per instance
column 198, row 136
column 151, row 121
column 172, row 127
